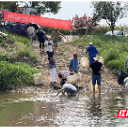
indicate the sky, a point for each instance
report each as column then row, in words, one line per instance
column 71, row 8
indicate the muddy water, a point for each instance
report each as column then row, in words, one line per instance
column 44, row 108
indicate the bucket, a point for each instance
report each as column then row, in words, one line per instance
column 72, row 79
column 121, row 77
column 84, row 61
column 126, row 87
column 90, row 87
column 38, row 79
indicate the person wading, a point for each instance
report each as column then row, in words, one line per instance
column 95, row 68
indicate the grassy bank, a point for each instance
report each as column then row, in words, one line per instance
column 113, row 49
column 17, row 62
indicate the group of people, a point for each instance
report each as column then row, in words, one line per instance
column 44, row 41
column 95, row 67
column 51, row 44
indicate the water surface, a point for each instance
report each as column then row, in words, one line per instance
column 46, row 109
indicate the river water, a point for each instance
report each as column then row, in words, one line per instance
column 44, row 108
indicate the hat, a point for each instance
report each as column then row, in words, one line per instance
column 18, row 7
column 75, row 54
column 90, row 43
column 95, row 58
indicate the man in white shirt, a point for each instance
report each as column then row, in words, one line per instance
column 69, row 88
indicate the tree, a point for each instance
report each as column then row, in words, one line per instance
column 83, row 25
column 9, row 5
column 109, row 11
column 47, row 7
column 44, row 6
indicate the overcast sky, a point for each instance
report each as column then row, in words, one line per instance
column 71, row 8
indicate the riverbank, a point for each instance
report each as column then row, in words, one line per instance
column 62, row 57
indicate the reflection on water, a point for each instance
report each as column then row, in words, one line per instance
column 47, row 109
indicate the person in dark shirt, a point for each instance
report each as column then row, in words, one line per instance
column 95, row 68
column 41, row 37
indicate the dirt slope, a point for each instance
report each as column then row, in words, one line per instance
column 62, row 57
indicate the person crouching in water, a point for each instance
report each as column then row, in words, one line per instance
column 52, row 67
column 69, row 88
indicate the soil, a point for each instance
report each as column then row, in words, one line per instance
column 62, row 56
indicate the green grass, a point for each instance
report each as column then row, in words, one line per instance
column 25, row 51
column 113, row 49
column 13, row 73
column 16, row 75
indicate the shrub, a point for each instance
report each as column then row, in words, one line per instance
column 113, row 49
column 16, row 75
column 6, row 57
column 27, row 52
column 112, row 54
column 116, row 66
